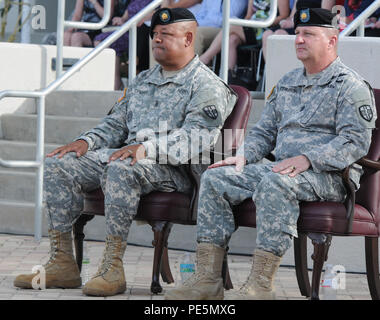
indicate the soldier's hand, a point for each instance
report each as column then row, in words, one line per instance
column 292, row 166
column 238, row 161
column 80, row 147
column 136, row 151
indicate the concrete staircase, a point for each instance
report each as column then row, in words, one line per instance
column 68, row 114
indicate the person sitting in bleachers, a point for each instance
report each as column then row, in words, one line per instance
column 126, row 10
column 86, row 11
column 209, row 14
column 353, row 8
column 245, row 35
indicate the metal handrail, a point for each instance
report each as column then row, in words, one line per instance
column 359, row 21
column 40, row 96
column 227, row 21
column 62, row 23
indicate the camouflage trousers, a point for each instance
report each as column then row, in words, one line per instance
column 276, row 198
column 65, row 179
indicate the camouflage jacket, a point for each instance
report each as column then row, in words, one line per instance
column 165, row 114
column 327, row 117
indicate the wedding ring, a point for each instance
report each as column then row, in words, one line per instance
column 293, row 168
column 130, row 151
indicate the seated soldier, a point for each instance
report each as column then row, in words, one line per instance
column 153, row 122
column 317, row 121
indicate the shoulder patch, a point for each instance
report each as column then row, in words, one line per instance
column 211, row 111
column 366, row 112
column 271, row 92
column 124, row 94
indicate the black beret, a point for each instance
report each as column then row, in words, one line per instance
column 167, row 16
column 318, row 17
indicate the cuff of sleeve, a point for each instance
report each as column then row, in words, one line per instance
column 314, row 162
column 150, row 150
column 249, row 156
column 89, row 141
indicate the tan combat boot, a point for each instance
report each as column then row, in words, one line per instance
column 110, row 278
column 259, row 285
column 206, row 283
column 61, row 270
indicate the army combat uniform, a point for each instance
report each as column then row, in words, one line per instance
column 153, row 108
column 327, row 117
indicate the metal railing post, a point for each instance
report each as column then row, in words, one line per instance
column 132, row 53
column 62, row 23
column 359, row 21
column 40, row 154
column 227, row 21
column 225, row 42
column 40, row 95
column 60, row 35
column 360, row 31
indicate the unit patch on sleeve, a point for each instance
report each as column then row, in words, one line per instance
column 211, row 111
column 366, row 112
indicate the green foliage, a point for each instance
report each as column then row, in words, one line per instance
column 5, row 7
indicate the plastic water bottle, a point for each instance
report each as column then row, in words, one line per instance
column 186, row 267
column 85, row 272
column 328, row 284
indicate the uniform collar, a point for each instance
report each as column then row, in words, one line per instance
column 321, row 78
column 180, row 78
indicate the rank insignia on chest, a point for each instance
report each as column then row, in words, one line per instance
column 366, row 112
column 211, row 111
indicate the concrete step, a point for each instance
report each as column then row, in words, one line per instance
column 21, row 150
column 60, row 130
column 17, row 217
column 94, row 104
column 17, row 185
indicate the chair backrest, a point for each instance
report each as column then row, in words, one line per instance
column 369, row 193
column 232, row 135
column 236, row 124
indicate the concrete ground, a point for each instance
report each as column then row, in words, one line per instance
column 19, row 254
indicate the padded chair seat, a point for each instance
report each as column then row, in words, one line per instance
column 161, row 206
column 327, row 217
column 165, row 206
column 330, row 217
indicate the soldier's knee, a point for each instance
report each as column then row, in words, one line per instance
column 213, row 175
column 274, row 181
column 117, row 169
column 52, row 164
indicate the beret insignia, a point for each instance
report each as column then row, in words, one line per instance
column 305, row 15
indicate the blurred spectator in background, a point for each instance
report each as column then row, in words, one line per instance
column 124, row 10
column 256, row 10
column 86, row 11
column 209, row 14
column 353, row 8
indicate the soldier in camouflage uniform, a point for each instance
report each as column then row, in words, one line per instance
column 316, row 122
column 155, row 119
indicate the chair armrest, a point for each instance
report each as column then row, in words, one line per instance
column 369, row 163
column 349, row 202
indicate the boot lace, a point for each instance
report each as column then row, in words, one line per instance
column 52, row 253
